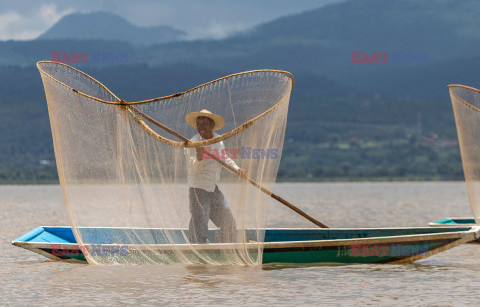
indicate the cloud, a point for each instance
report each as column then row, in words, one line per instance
column 5, row 20
column 216, row 30
column 31, row 24
column 49, row 13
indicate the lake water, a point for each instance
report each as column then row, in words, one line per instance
column 449, row 278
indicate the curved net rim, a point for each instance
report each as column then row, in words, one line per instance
column 466, row 130
column 288, row 74
column 134, row 111
column 451, row 86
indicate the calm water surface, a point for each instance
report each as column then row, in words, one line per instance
column 450, row 278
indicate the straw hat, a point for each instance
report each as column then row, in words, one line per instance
column 191, row 119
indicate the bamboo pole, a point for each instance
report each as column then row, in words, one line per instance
column 228, row 167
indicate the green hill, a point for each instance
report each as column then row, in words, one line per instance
column 329, row 134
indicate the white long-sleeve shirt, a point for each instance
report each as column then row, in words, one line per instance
column 205, row 174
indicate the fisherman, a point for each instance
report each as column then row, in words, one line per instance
column 207, row 202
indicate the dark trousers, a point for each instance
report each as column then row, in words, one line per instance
column 205, row 206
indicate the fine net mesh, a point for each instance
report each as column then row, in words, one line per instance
column 466, row 106
column 127, row 181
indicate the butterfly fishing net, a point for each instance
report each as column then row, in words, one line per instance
column 142, row 185
column 466, row 106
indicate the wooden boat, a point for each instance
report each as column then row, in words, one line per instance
column 341, row 245
column 454, row 222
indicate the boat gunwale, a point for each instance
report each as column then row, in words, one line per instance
column 475, row 230
column 262, row 229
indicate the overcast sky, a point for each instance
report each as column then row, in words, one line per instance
column 27, row 19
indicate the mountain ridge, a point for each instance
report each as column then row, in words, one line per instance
column 106, row 26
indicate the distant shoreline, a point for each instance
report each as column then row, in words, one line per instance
column 283, row 180
column 373, row 179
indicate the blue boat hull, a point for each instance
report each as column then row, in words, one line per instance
column 454, row 221
column 369, row 245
